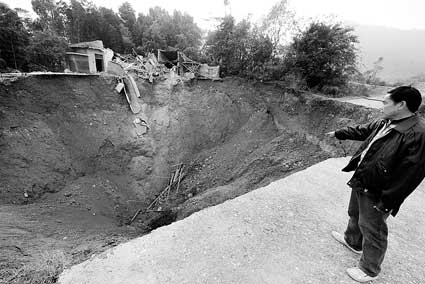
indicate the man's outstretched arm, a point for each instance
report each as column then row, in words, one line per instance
column 360, row 132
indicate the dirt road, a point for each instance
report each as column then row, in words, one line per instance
column 276, row 234
column 367, row 102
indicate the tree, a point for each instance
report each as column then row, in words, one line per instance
column 371, row 75
column 238, row 48
column 127, row 39
column 110, row 32
column 140, row 39
column 153, row 31
column 186, row 34
column 260, row 52
column 75, row 14
column 41, row 41
column 128, row 15
column 13, row 37
column 160, row 30
column 220, row 45
column 324, row 55
column 128, row 27
column 49, row 16
column 279, row 25
column 46, row 51
column 86, row 22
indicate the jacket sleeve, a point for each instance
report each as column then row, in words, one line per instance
column 408, row 174
column 360, row 132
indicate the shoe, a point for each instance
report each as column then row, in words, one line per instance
column 358, row 275
column 340, row 238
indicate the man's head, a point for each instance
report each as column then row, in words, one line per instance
column 401, row 102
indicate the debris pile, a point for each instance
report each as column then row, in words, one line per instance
column 180, row 67
column 146, row 68
column 186, row 67
column 174, row 184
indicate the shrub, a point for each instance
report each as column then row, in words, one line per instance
column 238, row 48
column 324, row 55
column 46, row 51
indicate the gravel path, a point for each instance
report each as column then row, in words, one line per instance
column 276, row 234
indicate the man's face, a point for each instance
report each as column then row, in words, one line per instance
column 389, row 108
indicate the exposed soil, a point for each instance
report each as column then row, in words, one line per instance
column 277, row 234
column 75, row 168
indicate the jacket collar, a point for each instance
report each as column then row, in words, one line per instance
column 406, row 123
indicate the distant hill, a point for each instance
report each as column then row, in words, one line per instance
column 403, row 51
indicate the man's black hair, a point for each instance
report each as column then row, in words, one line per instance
column 410, row 95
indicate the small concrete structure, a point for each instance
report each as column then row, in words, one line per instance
column 88, row 57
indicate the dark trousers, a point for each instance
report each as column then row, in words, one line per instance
column 367, row 230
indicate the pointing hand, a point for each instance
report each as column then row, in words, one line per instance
column 330, row 134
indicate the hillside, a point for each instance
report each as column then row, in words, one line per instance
column 402, row 50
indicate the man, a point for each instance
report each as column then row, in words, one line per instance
column 388, row 166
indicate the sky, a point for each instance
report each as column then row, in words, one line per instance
column 407, row 14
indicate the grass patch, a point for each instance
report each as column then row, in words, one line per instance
column 43, row 269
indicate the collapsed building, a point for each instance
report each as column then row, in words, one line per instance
column 92, row 57
column 187, row 67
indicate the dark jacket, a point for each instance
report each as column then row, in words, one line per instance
column 394, row 165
